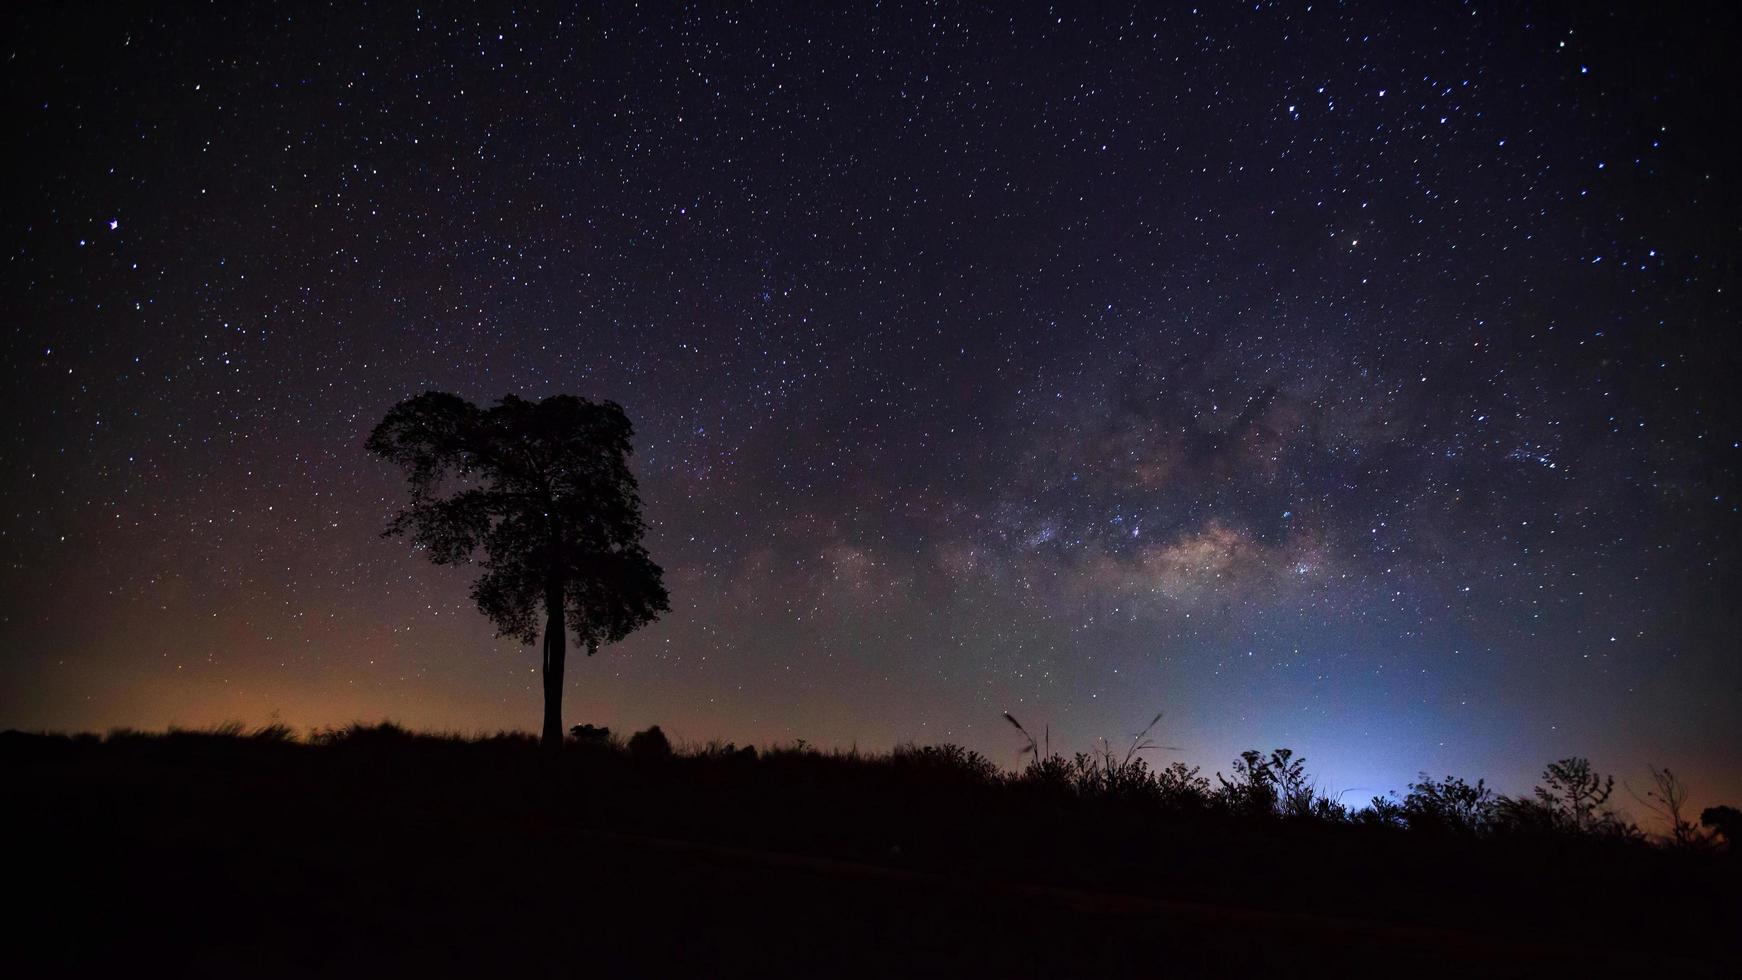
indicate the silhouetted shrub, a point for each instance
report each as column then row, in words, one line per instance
column 1276, row 785
column 651, row 743
column 1104, row 776
column 592, row 734
column 1252, row 790
column 15, row 744
column 1381, row 812
column 1049, row 775
column 1575, row 792
column 947, row 761
column 1449, row 806
column 273, row 733
column 1295, row 795
column 1573, row 801
column 359, row 734
column 1520, row 815
column 717, row 750
column 1668, row 799
column 1125, row 779
column 1180, row 787
column 223, row 729
column 1725, row 821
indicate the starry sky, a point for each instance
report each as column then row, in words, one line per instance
column 1350, row 377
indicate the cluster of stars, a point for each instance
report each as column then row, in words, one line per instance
column 980, row 359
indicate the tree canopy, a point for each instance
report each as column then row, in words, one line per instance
column 543, row 491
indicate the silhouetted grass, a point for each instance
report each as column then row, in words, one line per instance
column 348, row 819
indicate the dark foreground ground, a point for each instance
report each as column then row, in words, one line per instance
column 195, row 855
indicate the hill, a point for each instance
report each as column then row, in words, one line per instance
column 375, row 851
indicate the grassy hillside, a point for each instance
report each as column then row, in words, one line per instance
column 374, row 850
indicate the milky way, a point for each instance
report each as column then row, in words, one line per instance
column 1356, row 378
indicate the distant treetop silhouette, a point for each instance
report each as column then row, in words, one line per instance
column 544, row 489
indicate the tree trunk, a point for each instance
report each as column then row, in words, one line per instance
column 555, row 651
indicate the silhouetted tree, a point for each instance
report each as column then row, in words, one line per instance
column 1668, row 798
column 544, row 489
column 1575, row 792
column 1725, row 821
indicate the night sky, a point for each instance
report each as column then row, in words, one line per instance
column 1355, row 378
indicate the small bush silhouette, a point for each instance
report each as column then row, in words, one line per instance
column 1382, row 812
column 358, row 733
column 1725, row 821
column 725, row 751
column 650, row 744
column 1668, row 799
column 1450, row 805
column 592, row 734
column 947, row 760
column 1180, row 787
column 1252, row 791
